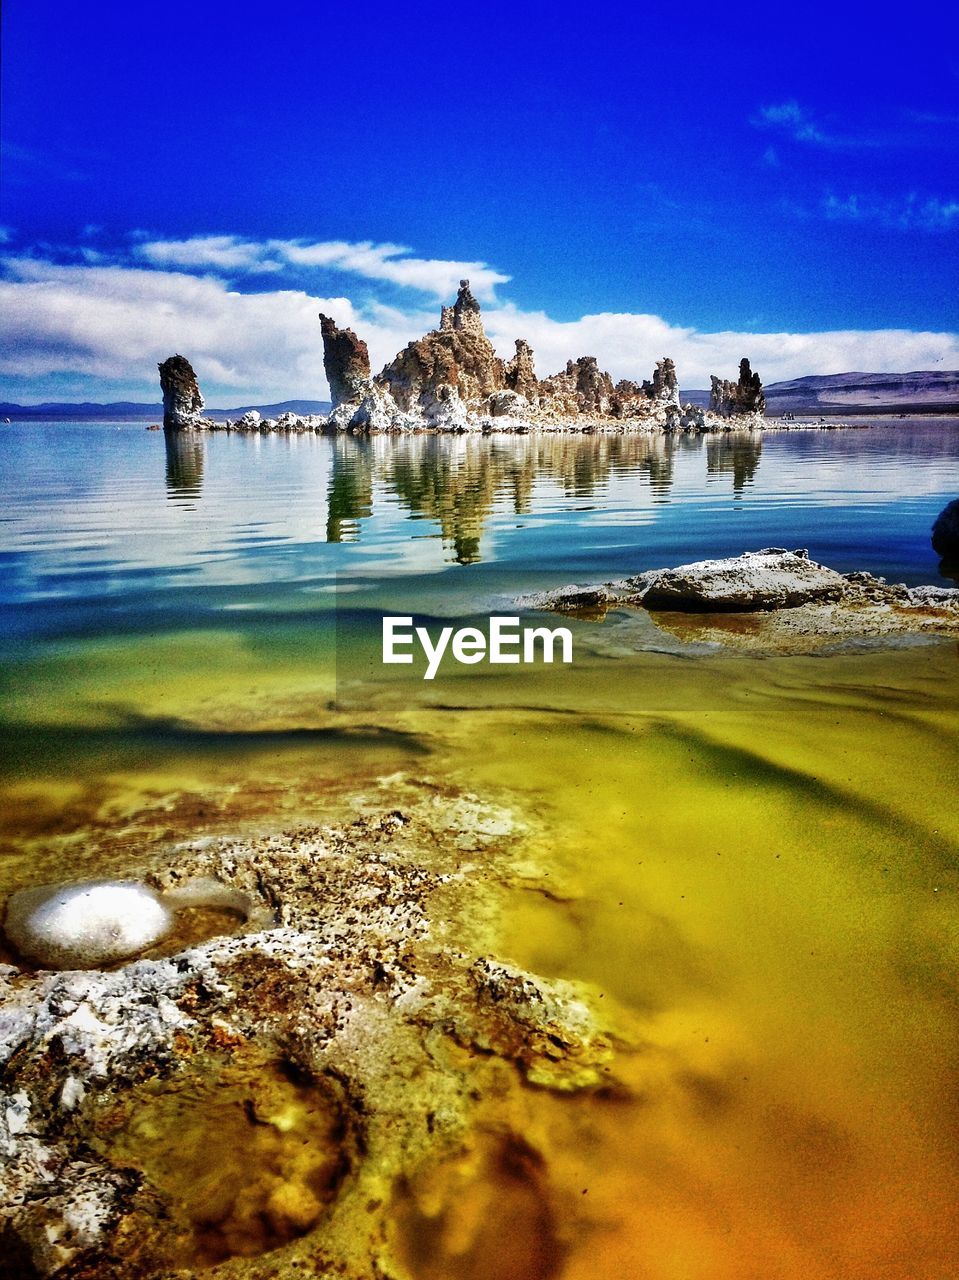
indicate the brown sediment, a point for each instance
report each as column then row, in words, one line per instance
column 243, row 1153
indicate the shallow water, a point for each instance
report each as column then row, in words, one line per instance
column 755, row 857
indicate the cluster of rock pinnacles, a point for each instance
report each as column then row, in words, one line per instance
column 453, row 374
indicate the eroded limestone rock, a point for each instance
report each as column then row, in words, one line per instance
column 737, row 399
column 664, row 387
column 767, row 601
column 769, row 579
column 346, row 361
column 182, row 401
column 508, row 404
column 457, row 355
column 452, row 380
column 520, row 373
column 581, row 388
column 269, row 1092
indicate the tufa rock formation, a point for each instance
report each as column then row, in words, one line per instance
column 519, row 372
column 581, row 388
column 458, row 357
column 256, row 1103
column 796, row 605
column 182, row 401
column 738, row 398
column 665, row 384
column 452, row 379
column 346, row 361
column 466, row 312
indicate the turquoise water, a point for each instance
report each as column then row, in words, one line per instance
column 108, row 525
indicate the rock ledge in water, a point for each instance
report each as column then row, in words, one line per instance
column 772, row 601
column 768, row 579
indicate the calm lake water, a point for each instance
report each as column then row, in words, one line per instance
column 763, row 852
column 106, row 512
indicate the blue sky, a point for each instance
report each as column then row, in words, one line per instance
column 622, row 175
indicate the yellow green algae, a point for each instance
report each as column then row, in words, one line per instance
column 755, row 857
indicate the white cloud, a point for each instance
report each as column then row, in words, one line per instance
column 911, row 212
column 389, row 262
column 793, row 120
column 112, row 324
column 226, row 253
column 629, row 344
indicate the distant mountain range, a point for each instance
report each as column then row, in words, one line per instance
column 862, row 393
column 858, row 394
column 924, row 391
column 133, row 411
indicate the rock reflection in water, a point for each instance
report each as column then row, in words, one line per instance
column 735, row 454
column 459, row 482
column 184, row 465
column 350, row 497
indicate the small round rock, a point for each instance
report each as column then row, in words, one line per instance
column 81, row 926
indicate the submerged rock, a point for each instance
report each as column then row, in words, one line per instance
column 945, row 533
column 80, row 926
column 182, row 401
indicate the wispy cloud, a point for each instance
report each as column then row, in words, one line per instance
column 223, row 253
column 794, row 121
column 911, row 212
column 23, row 164
column 108, row 325
column 392, row 263
column 938, row 119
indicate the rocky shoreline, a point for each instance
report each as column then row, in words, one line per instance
column 771, row 601
column 269, row 1088
column 452, row 380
